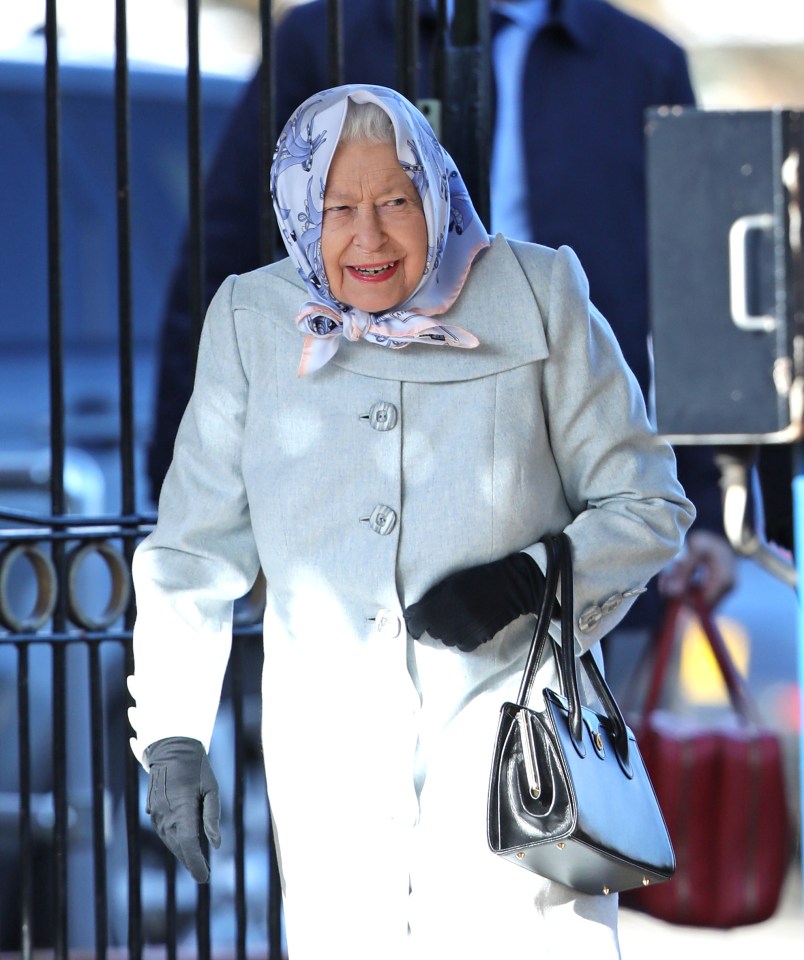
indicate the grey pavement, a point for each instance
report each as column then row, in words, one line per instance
column 780, row 938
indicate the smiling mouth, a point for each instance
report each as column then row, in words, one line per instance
column 375, row 272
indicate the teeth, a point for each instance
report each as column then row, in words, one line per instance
column 373, row 271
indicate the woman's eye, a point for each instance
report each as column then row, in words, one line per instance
column 395, row 205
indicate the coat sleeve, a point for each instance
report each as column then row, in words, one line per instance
column 619, row 479
column 200, row 557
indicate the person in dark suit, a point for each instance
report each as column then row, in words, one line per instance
column 572, row 121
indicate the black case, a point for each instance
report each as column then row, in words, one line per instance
column 725, row 262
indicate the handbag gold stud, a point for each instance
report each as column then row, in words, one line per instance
column 606, row 890
column 646, row 881
column 598, row 741
column 561, row 845
column 520, row 855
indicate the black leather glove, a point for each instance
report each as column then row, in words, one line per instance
column 182, row 794
column 469, row 607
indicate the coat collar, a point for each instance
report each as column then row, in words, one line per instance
column 497, row 304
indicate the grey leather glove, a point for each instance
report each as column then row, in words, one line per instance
column 183, row 794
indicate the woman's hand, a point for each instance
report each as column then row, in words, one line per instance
column 183, row 797
column 708, row 562
column 469, row 607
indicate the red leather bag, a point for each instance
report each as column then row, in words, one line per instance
column 722, row 792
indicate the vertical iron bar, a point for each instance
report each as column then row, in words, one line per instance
column 203, row 902
column 197, row 291
column 98, row 800
column 57, row 448
column 195, row 181
column 466, row 110
column 127, row 442
column 268, row 133
column 59, row 727
column 269, row 123
column 407, row 47
column 26, row 846
column 132, row 808
column 275, row 896
column 334, row 43
column 55, row 333
column 126, row 362
column 238, row 800
column 197, row 299
column 171, row 928
column 439, row 64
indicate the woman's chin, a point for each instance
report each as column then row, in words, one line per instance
column 372, row 303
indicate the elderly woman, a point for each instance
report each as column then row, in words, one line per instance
column 456, row 399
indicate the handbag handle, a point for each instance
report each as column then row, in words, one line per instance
column 559, row 569
column 739, row 696
column 540, row 633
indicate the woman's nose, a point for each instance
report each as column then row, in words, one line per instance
column 369, row 234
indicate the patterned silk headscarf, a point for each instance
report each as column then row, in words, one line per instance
column 455, row 234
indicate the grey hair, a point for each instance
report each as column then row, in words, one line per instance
column 367, row 123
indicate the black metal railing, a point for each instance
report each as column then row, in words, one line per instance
column 76, row 808
column 81, row 872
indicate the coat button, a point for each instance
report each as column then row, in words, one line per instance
column 634, row 592
column 590, row 618
column 382, row 416
column 382, row 519
column 387, row 624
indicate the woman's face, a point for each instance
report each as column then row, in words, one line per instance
column 374, row 235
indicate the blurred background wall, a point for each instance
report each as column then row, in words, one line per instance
column 743, row 54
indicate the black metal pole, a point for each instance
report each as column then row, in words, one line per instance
column 195, row 178
column 55, row 332
column 269, row 124
column 57, row 450
column 466, row 99
column 26, row 844
column 98, row 795
column 268, row 133
column 407, row 47
column 124, row 287
column 132, row 813
column 334, row 42
column 274, row 896
column 238, row 800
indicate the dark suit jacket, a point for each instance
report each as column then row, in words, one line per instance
column 590, row 74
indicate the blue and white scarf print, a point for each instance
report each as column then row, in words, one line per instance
column 455, row 234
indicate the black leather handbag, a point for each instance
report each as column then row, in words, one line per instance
column 569, row 796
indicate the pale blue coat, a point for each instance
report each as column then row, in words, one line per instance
column 355, row 489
